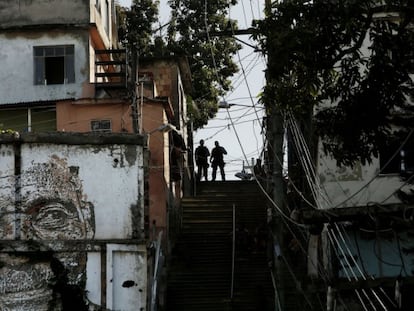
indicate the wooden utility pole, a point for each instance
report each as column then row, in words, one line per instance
column 275, row 138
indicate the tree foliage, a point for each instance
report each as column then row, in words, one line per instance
column 136, row 26
column 356, row 54
column 194, row 32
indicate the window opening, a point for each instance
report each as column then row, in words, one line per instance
column 396, row 157
column 54, row 64
column 101, row 126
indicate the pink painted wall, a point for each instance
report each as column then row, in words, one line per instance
column 154, row 116
column 76, row 116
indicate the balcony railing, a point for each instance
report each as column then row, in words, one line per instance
column 111, row 69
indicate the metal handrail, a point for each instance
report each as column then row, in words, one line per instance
column 278, row 307
column 233, row 253
column 158, row 254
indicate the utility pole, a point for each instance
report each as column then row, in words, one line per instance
column 275, row 137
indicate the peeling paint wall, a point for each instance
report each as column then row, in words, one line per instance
column 375, row 246
column 7, row 191
column 18, row 13
column 24, row 24
column 357, row 186
column 17, row 63
column 72, row 223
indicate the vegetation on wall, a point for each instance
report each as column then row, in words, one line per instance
column 355, row 53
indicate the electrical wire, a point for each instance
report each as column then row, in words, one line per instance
column 373, row 292
column 309, row 171
column 347, row 274
column 235, row 131
column 385, row 165
column 214, row 63
column 278, row 209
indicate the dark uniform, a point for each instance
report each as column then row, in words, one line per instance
column 201, row 157
column 217, row 160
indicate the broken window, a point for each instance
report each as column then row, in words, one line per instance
column 101, row 126
column 54, row 64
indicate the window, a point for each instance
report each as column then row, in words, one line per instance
column 390, row 158
column 54, row 64
column 396, row 157
column 36, row 119
column 101, row 126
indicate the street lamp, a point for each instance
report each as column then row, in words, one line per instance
column 226, row 105
column 164, row 128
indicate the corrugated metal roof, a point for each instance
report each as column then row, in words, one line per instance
column 34, row 104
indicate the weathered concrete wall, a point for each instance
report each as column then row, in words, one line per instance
column 72, row 222
column 358, row 186
column 24, row 24
column 7, row 190
column 18, row 13
column 17, row 63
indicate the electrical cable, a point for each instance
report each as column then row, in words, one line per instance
column 375, row 294
column 397, row 237
column 237, row 136
column 347, row 274
column 322, row 272
column 385, row 165
column 355, row 264
column 284, row 217
column 408, row 181
column 310, row 171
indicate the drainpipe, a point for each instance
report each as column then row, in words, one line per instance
column 134, row 105
column 29, row 120
column 141, row 104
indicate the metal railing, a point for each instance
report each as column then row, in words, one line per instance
column 233, row 253
column 155, row 276
column 277, row 304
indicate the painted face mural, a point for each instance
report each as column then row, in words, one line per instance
column 53, row 203
column 50, row 211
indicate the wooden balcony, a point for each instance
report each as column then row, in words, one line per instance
column 111, row 69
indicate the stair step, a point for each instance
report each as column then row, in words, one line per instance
column 199, row 275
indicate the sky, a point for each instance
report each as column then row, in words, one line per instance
column 238, row 128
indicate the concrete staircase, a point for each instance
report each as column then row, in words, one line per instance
column 200, row 269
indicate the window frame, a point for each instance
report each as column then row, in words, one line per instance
column 397, row 154
column 101, row 128
column 44, row 52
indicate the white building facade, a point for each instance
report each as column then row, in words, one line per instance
column 72, row 222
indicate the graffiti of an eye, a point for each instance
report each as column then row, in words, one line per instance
column 57, row 220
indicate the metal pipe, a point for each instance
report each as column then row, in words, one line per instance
column 278, row 307
column 233, row 254
column 29, row 120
